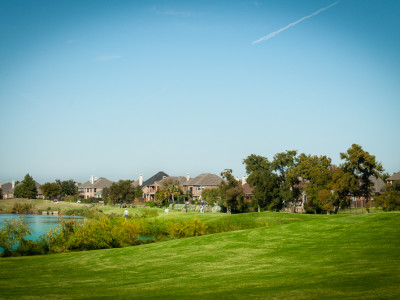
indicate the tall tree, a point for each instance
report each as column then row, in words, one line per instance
column 282, row 164
column 362, row 166
column 264, row 181
column 232, row 192
column 27, row 189
column 315, row 174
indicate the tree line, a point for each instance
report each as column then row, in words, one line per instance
column 282, row 181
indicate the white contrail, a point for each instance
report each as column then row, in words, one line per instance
column 272, row 34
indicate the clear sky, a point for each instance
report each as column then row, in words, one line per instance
column 121, row 88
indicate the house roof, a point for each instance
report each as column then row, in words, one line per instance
column 379, row 184
column 99, row 183
column 135, row 183
column 38, row 189
column 394, row 177
column 205, row 179
column 180, row 180
column 157, row 177
column 7, row 188
column 247, row 188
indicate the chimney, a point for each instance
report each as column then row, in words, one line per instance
column 13, row 184
column 187, row 176
column 244, row 180
column 140, row 179
column 92, row 179
column 0, row 184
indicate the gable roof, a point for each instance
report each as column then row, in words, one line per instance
column 379, row 184
column 157, row 177
column 394, row 177
column 205, row 179
column 99, row 183
column 247, row 188
column 180, row 180
column 7, row 188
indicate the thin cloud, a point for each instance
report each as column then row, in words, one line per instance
column 107, row 57
column 272, row 34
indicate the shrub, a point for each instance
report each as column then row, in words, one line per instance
column 20, row 208
column 13, row 234
column 93, row 234
column 150, row 203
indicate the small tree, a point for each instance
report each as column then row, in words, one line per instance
column 390, row 199
column 138, row 192
column 51, row 190
column 231, row 191
column 1, row 193
column 12, row 234
column 211, row 195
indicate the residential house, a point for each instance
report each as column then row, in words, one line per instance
column 248, row 192
column 8, row 190
column 393, row 178
column 198, row 184
column 152, row 185
column 94, row 187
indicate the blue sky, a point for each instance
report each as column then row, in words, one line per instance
column 121, row 88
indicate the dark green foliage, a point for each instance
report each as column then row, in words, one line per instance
column 68, row 187
column 138, row 192
column 231, row 192
column 51, row 190
column 265, row 181
column 27, row 189
column 362, row 166
column 1, row 193
column 121, row 191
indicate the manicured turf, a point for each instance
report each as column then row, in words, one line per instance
column 302, row 257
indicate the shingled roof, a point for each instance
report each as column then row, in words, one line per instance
column 99, row 183
column 180, row 180
column 205, row 179
column 157, row 177
column 7, row 188
column 379, row 184
column 247, row 188
column 394, row 177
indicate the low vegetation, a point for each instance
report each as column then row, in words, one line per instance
column 296, row 257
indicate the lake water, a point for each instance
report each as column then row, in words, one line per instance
column 39, row 224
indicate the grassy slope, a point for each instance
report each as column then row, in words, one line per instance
column 354, row 256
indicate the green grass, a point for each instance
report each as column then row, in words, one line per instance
column 294, row 257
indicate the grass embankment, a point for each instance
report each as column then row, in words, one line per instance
column 300, row 257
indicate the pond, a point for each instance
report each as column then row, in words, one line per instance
column 39, row 224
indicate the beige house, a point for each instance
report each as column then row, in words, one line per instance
column 393, row 178
column 198, row 184
column 94, row 187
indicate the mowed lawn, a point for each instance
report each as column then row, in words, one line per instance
column 310, row 257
